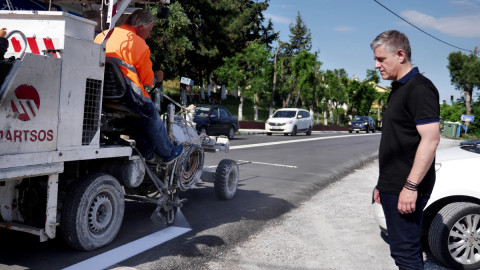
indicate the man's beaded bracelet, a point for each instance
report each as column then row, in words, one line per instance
column 411, row 185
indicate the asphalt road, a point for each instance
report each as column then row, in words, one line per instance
column 274, row 179
column 334, row 229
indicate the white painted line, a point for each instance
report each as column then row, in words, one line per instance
column 126, row 251
column 294, row 141
column 270, row 164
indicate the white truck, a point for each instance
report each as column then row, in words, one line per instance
column 65, row 157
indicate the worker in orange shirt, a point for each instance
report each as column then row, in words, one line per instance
column 127, row 48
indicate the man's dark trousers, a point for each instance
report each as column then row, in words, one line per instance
column 404, row 231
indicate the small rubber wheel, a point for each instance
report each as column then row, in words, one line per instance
column 226, row 179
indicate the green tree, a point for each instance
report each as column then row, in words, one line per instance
column 335, row 91
column 452, row 113
column 220, row 29
column 169, row 42
column 465, row 75
column 300, row 37
column 299, row 42
column 307, row 64
column 247, row 71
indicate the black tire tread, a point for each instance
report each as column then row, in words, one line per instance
column 70, row 210
column 221, row 174
column 439, row 231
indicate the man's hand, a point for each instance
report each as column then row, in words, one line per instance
column 376, row 196
column 407, row 201
column 158, row 75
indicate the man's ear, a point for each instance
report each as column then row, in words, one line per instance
column 401, row 55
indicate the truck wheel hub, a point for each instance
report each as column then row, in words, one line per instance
column 100, row 213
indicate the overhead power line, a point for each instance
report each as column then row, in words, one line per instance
column 449, row 44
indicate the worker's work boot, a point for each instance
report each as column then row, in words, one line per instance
column 176, row 153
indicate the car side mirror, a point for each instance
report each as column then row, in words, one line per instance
column 213, row 116
column 299, row 117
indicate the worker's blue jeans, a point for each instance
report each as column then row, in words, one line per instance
column 151, row 136
column 404, row 231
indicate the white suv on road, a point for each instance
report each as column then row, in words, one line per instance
column 289, row 121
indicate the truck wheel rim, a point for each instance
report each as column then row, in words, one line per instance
column 464, row 240
column 100, row 213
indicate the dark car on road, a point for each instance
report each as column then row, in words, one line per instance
column 215, row 120
column 362, row 123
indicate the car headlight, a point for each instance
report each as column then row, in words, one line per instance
column 290, row 121
column 349, row 122
column 366, row 123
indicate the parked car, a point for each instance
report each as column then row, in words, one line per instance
column 215, row 120
column 451, row 225
column 362, row 123
column 289, row 121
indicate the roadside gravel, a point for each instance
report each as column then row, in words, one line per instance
column 335, row 229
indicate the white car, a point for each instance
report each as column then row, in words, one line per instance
column 451, row 225
column 289, row 121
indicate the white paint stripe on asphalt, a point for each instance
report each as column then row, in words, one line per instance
column 126, row 251
column 293, row 141
column 270, row 164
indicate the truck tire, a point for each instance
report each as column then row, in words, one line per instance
column 453, row 236
column 226, row 179
column 92, row 212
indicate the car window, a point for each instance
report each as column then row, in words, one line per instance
column 305, row 114
column 202, row 111
column 360, row 118
column 224, row 113
column 214, row 113
column 284, row 114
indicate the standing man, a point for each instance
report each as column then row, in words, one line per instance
column 410, row 136
column 127, row 48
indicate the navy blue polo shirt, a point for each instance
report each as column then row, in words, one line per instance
column 413, row 101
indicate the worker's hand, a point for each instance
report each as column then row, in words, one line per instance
column 3, row 32
column 191, row 108
column 376, row 196
column 407, row 201
column 158, row 75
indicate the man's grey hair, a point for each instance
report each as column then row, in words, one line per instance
column 140, row 17
column 393, row 41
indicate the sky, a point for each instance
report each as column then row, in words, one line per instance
column 342, row 31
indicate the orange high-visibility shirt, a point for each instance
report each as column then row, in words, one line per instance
column 127, row 46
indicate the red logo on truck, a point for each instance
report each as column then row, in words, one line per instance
column 27, row 103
